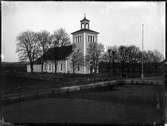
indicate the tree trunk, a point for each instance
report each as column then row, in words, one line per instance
column 73, row 70
column 42, row 67
column 122, row 69
column 113, row 63
column 31, row 66
column 55, row 66
column 91, row 69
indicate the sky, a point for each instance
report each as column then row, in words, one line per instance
column 119, row 23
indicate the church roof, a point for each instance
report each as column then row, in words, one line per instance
column 85, row 30
column 58, row 53
column 84, row 19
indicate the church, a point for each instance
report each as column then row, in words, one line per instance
column 63, row 54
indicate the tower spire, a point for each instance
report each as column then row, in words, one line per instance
column 84, row 15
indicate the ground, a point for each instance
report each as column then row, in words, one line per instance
column 124, row 104
column 127, row 104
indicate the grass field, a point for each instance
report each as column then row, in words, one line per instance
column 14, row 82
column 21, row 82
column 126, row 104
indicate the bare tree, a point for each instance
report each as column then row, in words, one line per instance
column 133, row 54
column 77, row 60
column 44, row 40
column 112, row 56
column 157, row 56
column 123, row 58
column 129, row 56
column 152, row 56
column 94, row 55
column 60, row 38
column 27, row 47
column 105, row 57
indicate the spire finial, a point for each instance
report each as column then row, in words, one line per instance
column 84, row 15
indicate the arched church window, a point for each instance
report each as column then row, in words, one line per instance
column 87, row 26
column 50, row 67
column 76, row 39
column 45, row 67
column 82, row 26
column 61, row 67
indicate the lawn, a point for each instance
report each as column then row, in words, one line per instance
column 16, row 82
column 21, row 82
column 126, row 104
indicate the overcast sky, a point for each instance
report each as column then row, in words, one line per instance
column 119, row 23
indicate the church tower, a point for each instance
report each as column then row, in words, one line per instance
column 82, row 38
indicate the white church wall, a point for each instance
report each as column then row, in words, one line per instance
column 79, row 44
column 28, row 68
column 36, row 68
column 49, row 66
column 61, row 66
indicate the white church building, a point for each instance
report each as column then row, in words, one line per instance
column 63, row 54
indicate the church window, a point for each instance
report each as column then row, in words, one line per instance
column 87, row 26
column 50, row 67
column 82, row 26
column 45, row 67
column 93, row 38
column 61, row 67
